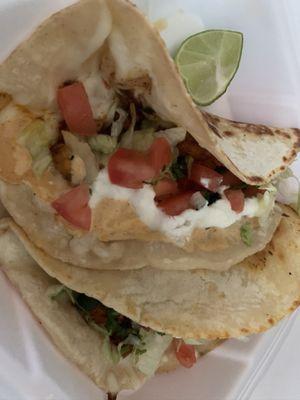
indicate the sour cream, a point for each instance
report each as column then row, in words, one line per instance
column 178, row 228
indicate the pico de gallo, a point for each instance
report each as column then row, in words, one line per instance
column 137, row 148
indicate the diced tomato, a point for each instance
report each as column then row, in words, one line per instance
column 165, row 187
column 186, row 354
column 176, row 204
column 229, row 179
column 76, row 109
column 160, row 154
column 130, row 168
column 186, row 184
column 253, row 191
column 206, row 177
column 73, row 207
column 236, row 199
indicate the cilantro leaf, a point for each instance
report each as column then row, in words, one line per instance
column 179, row 168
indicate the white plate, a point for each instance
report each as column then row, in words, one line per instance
column 266, row 89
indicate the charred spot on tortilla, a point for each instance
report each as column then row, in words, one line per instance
column 68, row 82
column 142, row 82
column 260, row 129
column 214, row 129
column 228, row 133
column 297, row 132
column 255, row 179
column 5, row 99
column 212, row 118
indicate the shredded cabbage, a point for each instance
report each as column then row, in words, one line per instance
column 154, row 121
column 143, row 139
column 110, row 351
column 103, row 143
column 155, row 345
column 173, row 135
column 288, row 196
column 127, row 138
column 82, row 150
column 247, row 234
column 54, row 291
column 38, row 137
column 111, row 113
column 117, row 126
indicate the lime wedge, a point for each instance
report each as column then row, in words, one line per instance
column 208, row 61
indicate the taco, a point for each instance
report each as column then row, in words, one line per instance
column 249, row 298
column 112, row 350
column 103, row 151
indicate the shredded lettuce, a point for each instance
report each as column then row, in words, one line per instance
column 55, row 290
column 173, row 135
column 38, row 137
column 152, row 120
column 143, row 139
column 111, row 112
column 121, row 337
column 127, row 138
column 155, row 346
column 117, row 126
column 110, row 351
column 247, row 233
column 288, row 196
column 103, row 143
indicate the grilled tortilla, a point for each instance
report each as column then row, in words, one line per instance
column 69, row 331
column 249, row 298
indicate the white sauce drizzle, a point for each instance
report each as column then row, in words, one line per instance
column 178, row 228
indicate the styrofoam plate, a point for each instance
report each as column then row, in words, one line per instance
column 266, row 89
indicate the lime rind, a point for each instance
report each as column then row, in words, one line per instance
column 208, row 61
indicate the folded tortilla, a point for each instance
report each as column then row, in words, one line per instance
column 214, row 248
column 78, row 341
column 88, row 41
column 249, row 298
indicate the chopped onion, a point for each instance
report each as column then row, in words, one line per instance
column 198, row 201
column 82, row 150
column 117, row 126
column 111, row 113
